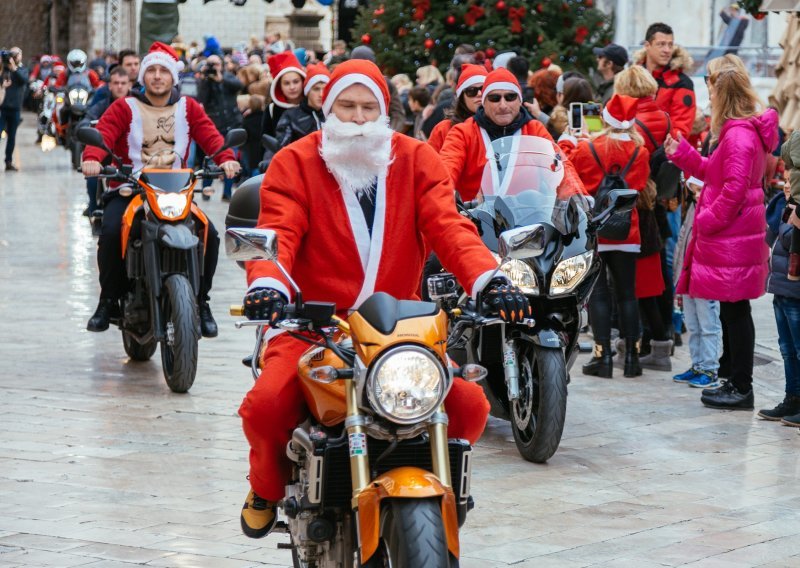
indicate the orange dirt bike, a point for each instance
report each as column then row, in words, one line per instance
column 163, row 244
column 375, row 481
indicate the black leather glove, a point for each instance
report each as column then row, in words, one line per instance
column 507, row 301
column 264, row 304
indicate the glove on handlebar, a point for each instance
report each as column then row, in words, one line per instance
column 507, row 301
column 265, row 304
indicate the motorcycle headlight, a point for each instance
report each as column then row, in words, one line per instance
column 570, row 272
column 78, row 96
column 172, row 205
column 520, row 274
column 406, row 385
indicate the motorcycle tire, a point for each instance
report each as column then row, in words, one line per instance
column 543, row 376
column 138, row 351
column 179, row 347
column 412, row 534
column 75, row 152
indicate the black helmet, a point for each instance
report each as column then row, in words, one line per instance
column 245, row 204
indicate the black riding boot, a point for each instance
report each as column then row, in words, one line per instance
column 632, row 367
column 601, row 364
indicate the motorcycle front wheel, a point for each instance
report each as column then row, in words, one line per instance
column 138, row 351
column 179, row 347
column 537, row 418
column 412, row 534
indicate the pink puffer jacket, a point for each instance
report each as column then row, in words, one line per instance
column 727, row 255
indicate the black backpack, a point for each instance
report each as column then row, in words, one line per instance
column 619, row 225
column 665, row 174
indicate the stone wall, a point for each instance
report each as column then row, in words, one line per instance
column 26, row 25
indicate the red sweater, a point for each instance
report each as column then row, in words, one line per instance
column 612, row 153
column 121, row 127
column 324, row 241
column 464, row 154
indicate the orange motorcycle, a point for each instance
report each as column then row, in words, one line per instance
column 164, row 236
column 376, row 482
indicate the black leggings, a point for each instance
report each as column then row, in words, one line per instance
column 621, row 266
column 737, row 323
column 651, row 316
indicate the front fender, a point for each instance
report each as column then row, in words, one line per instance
column 548, row 339
column 177, row 237
column 403, row 483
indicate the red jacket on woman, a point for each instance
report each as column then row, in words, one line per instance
column 439, row 133
column 612, row 153
column 654, row 119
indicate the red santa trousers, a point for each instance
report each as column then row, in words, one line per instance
column 275, row 406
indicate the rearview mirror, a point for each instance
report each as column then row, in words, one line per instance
column 522, row 242
column 269, row 143
column 92, row 137
column 251, row 244
column 235, row 138
column 616, row 201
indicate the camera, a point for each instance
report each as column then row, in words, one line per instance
column 5, row 56
column 442, row 286
column 585, row 114
column 209, row 70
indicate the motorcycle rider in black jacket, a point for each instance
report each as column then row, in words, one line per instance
column 307, row 117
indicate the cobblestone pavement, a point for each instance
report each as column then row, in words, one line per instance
column 101, row 466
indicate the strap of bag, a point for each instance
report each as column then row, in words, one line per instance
column 647, row 133
column 628, row 166
column 597, row 158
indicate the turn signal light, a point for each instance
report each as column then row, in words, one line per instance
column 473, row 373
column 325, row 374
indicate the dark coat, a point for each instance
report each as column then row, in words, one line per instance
column 15, row 92
column 219, row 101
column 781, row 232
column 297, row 122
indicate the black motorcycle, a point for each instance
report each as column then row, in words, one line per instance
column 76, row 97
column 163, row 239
column 545, row 243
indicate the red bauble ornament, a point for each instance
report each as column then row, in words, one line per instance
column 589, row 3
column 540, row 38
column 760, row 15
column 451, row 20
column 366, row 39
column 490, row 52
column 580, row 34
column 429, row 43
column 500, row 5
column 539, row 7
column 378, row 11
column 546, row 62
column 402, row 32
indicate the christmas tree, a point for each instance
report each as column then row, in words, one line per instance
column 406, row 34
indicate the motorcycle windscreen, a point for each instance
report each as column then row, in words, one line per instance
column 168, row 181
column 522, row 175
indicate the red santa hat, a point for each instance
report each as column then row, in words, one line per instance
column 620, row 112
column 471, row 75
column 279, row 65
column 315, row 74
column 356, row 72
column 500, row 79
column 164, row 55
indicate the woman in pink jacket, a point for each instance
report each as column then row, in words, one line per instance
column 726, row 258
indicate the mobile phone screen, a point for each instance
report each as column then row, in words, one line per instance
column 575, row 116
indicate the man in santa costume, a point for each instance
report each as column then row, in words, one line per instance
column 351, row 204
column 469, row 144
column 137, row 128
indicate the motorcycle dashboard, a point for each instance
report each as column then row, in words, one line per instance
column 169, row 181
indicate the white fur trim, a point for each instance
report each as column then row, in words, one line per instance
column 693, row 180
column 624, row 136
column 376, row 244
column 615, row 123
column 181, row 132
column 567, row 137
column 358, row 225
column 160, row 58
column 500, row 86
column 276, row 81
column 135, row 134
column 269, row 282
column 313, row 81
column 472, row 81
column 348, row 81
column 603, row 247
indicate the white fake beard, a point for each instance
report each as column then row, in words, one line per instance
column 356, row 154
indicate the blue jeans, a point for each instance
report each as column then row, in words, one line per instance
column 787, row 318
column 9, row 121
column 91, row 190
column 705, row 332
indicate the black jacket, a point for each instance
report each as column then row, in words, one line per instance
column 781, row 232
column 494, row 131
column 219, row 101
column 15, row 92
column 297, row 122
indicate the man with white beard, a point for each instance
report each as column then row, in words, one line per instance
column 351, row 204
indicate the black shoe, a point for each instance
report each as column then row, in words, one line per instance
column 601, row 364
column 106, row 309
column 791, row 420
column 728, row 397
column 11, row 167
column 789, row 407
column 208, row 326
column 632, row 368
column 677, row 340
column 87, row 212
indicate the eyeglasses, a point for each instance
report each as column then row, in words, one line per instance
column 473, row 91
column 495, row 98
column 706, row 78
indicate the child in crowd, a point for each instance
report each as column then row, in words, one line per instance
column 701, row 316
column 790, row 153
column 786, row 300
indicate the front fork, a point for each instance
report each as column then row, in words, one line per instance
column 510, row 366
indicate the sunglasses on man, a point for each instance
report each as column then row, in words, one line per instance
column 495, row 97
column 473, row 91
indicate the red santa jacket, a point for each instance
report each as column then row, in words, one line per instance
column 121, row 127
column 464, row 154
column 94, row 79
column 675, row 90
column 612, row 153
column 439, row 133
column 656, row 121
column 324, row 242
